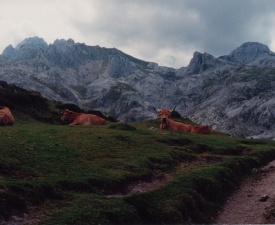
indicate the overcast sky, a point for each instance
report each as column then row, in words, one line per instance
column 167, row 32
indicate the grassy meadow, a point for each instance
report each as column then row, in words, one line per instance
column 51, row 173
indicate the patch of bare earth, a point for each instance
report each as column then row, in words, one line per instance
column 143, row 186
column 250, row 202
column 160, row 179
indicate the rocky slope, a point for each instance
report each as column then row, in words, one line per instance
column 232, row 93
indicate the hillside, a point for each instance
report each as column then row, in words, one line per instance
column 51, row 173
column 233, row 93
column 29, row 104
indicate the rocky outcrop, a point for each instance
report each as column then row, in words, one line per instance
column 232, row 93
column 252, row 53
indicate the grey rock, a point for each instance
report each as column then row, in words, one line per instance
column 232, row 93
column 264, row 198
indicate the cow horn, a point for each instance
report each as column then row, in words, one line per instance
column 174, row 108
column 155, row 109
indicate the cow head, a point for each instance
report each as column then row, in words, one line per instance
column 67, row 115
column 164, row 114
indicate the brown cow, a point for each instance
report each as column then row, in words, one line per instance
column 200, row 130
column 82, row 118
column 6, row 117
column 169, row 124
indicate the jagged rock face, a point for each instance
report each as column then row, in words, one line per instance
column 233, row 93
column 249, row 52
column 252, row 53
column 202, row 62
column 238, row 101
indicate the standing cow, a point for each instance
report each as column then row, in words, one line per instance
column 168, row 124
column 75, row 118
column 6, row 117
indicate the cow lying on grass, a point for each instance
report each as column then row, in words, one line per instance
column 6, row 117
column 168, row 124
column 75, row 118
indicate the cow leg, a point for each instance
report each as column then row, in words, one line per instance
column 6, row 121
column 73, row 123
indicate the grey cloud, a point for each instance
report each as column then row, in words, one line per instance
column 156, row 29
column 160, row 24
column 227, row 24
column 213, row 26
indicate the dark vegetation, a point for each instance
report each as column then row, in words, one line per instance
column 58, row 174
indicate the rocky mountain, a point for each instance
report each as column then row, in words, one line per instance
column 232, row 93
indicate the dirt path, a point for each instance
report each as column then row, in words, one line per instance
column 250, row 202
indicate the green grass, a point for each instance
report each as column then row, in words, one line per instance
column 65, row 175
column 83, row 174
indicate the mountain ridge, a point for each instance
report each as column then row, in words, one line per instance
column 231, row 93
